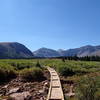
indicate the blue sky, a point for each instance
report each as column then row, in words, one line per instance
column 50, row 23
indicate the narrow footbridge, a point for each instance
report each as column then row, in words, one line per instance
column 55, row 90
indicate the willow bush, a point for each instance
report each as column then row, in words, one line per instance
column 87, row 89
column 32, row 74
column 7, row 72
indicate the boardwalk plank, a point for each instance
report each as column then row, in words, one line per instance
column 55, row 90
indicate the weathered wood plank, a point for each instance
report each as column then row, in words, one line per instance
column 55, row 90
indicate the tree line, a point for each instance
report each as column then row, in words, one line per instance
column 76, row 58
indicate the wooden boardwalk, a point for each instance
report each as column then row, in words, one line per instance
column 55, row 90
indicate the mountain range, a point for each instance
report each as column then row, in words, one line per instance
column 87, row 50
column 16, row 50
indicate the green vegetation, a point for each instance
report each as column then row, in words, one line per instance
column 76, row 58
column 32, row 74
column 27, row 69
column 88, row 88
column 74, row 67
column 85, row 74
column 38, row 64
column 7, row 72
column 65, row 71
column 20, row 64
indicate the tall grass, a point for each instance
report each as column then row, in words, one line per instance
column 88, row 88
column 69, row 68
column 7, row 72
column 32, row 74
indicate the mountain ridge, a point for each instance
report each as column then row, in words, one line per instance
column 88, row 50
column 46, row 52
column 11, row 50
column 14, row 50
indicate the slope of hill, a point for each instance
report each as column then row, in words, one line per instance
column 14, row 50
column 84, row 51
column 45, row 52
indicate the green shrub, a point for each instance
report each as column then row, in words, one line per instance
column 11, row 74
column 32, row 74
column 7, row 72
column 21, row 65
column 3, row 75
column 38, row 64
column 86, row 89
column 65, row 71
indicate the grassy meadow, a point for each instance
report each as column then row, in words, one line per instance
column 85, row 75
column 30, row 70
